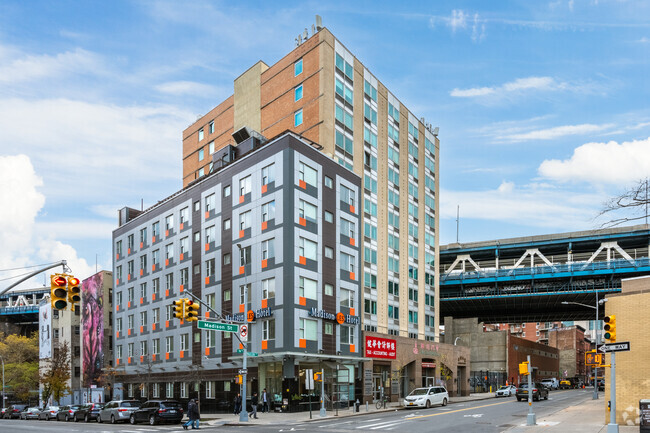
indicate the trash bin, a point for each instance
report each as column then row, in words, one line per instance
column 644, row 415
column 357, row 404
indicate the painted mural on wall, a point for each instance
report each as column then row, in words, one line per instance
column 92, row 328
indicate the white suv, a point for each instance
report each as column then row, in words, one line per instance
column 427, row 397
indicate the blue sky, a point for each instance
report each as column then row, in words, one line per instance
column 542, row 106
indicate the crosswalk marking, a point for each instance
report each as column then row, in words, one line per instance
column 387, row 426
column 381, row 424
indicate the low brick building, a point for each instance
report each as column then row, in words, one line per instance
column 631, row 308
column 572, row 345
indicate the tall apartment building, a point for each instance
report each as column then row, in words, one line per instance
column 321, row 91
column 273, row 233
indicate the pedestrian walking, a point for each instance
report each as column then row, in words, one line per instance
column 254, row 402
column 265, row 401
column 195, row 416
column 190, row 407
column 237, row 403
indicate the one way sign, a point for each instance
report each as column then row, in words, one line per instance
column 615, row 347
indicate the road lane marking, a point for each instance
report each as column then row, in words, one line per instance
column 331, row 425
column 381, row 424
column 388, row 426
column 458, row 410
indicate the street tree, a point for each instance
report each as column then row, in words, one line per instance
column 20, row 354
column 631, row 205
column 56, row 374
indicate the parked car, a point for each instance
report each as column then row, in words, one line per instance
column 48, row 413
column 566, row 384
column 30, row 413
column 118, row 410
column 538, row 392
column 551, row 383
column 506, row 391
column 88, row 412
column 427, row 397
column 14, row 411
column 66, row 413
column 156, row 411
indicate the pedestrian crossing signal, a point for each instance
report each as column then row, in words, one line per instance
column 523, row 368
column 318, row 377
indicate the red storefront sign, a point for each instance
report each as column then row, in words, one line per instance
column 381, row 348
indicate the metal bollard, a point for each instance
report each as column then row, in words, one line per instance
column 366, row 406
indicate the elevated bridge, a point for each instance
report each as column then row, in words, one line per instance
column 527, row 279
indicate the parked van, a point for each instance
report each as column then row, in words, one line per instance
column 551, row 383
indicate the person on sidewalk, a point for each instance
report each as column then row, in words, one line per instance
column 190, row 407
column 195, row 416
column 254, row 401
column 265, row 401
column 237, row 403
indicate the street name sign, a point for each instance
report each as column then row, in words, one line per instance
column 243, row 371
column 247, row 353
column 217, row 326
column 615, row 347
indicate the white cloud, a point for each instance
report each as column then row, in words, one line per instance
column 534, row 205
column 50, row 250
column 556, row 132
column 458, row 20
column 518, row 85
column 478, row 29
column 180, row 88
column 21, row 203
column 32, row 67
column 599, row 163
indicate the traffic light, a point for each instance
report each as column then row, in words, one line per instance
column 610, row 328
column 73, row 291
column 58, row 292
column 191, row 310
column 179, row 308
column 318, row 377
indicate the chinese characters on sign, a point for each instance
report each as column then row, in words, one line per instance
column 380, row 347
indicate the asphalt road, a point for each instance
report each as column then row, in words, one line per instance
column 484, row 416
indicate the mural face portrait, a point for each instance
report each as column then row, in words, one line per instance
column 92, row 319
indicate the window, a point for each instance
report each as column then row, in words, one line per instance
column 226, row 224
column 244, row 256
column 129, row 268
column 169, row 389
column 156, row 346
column 347, row 195
column 268, row 329
column 308, row 174
column 168, row 312
column 130, row 390
column 118, row 353
column 156, row 287
column 143, row 263
column 201, row 154
column 244, row 220
column 155, row 229
column 307, row 248
column 209, row 202
column 169, row 251
column 155, row 315
column 185, row 245
column 297, row 68
column 268, row 174
column 347, row 298
column 329, row 253
column 183, row 390
column 347, row 228
column 209, row 339
column 202, row 172
column 370, row 90
column 329, row 328
column 370, row 114
column 329, row 289
column 347, row 262
column 185, row 212
column 209, row 389
column 297, row 118
column 129, row 350
column 308, row 329
column 329, row 217
column 200, row 134
column 297, row 93
column 169, row 344
column 129, row 321
column 209, row 235
column 143, row 290
column 307, row 288
column 184, row 340
column 209, row 267
column 346, row 334
column 244, row 185
column 307, row 210
column 328, row 182
column 197, row 206
column 169, row 282
column 268, row 288
column 118, row 326
column 268, row 250
column 393, row 312
column 156, row 390
column 226, row 259
column 143, row 348
column 370, row 306
column 245, row 293
column 129, row 293
column 268, row 211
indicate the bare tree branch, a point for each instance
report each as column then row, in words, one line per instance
column 632, row 204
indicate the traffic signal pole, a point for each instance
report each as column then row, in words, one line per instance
column 612, row 427
column 61, row 263
column 530, row 419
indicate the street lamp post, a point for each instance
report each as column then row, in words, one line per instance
column 3, row 381
column 595, row 397
column 243, row 415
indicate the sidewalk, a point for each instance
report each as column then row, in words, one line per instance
column 587, row 417
column 298, row 417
